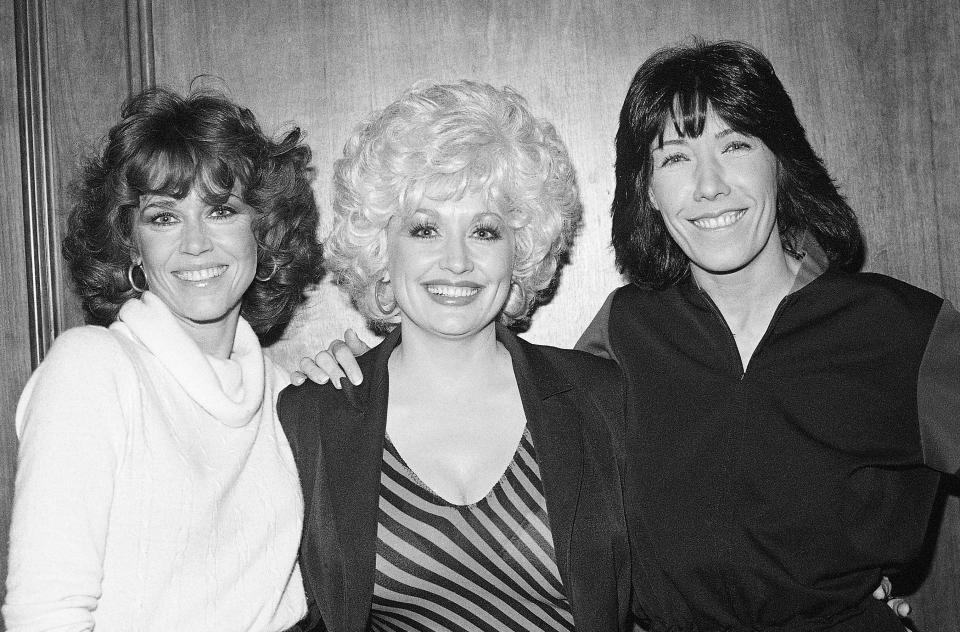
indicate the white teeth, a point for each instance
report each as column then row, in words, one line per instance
column 720, row 221
column 453, row 291
column 200, row 275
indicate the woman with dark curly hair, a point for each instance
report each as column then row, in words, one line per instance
column 155, row 488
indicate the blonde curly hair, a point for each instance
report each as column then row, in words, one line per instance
column 444, row 141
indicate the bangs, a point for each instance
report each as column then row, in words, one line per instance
column 686, row 111
column 689, row 112
column 177, row 169
column 443, row 187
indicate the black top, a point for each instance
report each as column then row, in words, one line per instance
column 574, row 408
column 775, row 498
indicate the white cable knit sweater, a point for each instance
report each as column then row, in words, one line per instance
column 155, row 489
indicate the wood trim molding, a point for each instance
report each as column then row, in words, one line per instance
column 40, row 223
column 44, row 272
column 141, row 72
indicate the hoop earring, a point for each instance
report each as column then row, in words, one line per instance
column 276, row 266
column 380, row 290
column 130, row 277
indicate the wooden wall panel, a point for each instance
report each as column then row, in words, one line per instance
column 14, row 338
column 868, row 116
column 89, row 73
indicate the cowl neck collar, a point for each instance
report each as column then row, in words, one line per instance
column 230, row 390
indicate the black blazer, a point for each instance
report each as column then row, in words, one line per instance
column 574, row 407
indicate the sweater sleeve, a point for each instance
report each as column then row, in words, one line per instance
column 938, row 393
column 70, row 422
column 596, row 338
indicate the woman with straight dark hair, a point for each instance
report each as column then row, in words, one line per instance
column 676, row 87
column 791, row 417
column 155, row 488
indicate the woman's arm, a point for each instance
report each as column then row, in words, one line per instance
column 70, row 425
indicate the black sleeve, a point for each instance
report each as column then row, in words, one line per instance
column 595, row 338
column 938, row 393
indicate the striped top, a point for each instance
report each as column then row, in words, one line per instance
column 487, row 567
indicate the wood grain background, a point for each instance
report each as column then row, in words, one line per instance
column 14, row 332
column 877, row 84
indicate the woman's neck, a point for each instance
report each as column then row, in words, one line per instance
column 441, row 361
column 454, row 412
column 749, row 298
column 214, row 338
column 755, row 289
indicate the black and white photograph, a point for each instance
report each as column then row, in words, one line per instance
column 480, row 315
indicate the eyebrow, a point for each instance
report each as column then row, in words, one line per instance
column 683, row 139
column 161, row 202
column 491, row 216
column 166, row 201
column 412, row 216
column 674, row 141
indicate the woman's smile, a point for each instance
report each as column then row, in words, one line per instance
column 724, row 219
column 460, row 293
column 200, row 276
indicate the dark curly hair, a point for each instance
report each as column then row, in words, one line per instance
column 675, row 86
column 169, row 144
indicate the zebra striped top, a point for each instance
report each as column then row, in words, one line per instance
column 485, row 567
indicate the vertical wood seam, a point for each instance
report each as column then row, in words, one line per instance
column 147, row 65
column 141, row 72
column 929, row 71
column 40, row 223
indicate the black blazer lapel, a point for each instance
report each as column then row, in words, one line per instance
column 352, row 457
column 553, row 418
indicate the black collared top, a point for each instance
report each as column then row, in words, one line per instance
column 775, row 498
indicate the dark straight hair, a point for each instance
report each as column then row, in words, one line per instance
column 676, row 86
